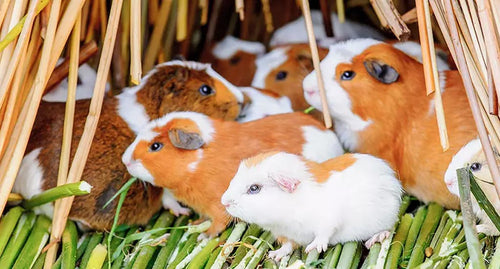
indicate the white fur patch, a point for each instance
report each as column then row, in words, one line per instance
column 460, row 160
column 230, row 45
column 347, row 124
column 131, row 111
column 414, row 50
column 267, row 63
column 192, row 166
column 29, row 181
column 442, row 81
column 295, row 31
column 320, row 145
column 263, row 105
column 87, row 76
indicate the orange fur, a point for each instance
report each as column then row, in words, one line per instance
column 255, row 160
column 404, row 130
column 202, row 188
column 322, row 171
column 239, row 69
column 298, row 65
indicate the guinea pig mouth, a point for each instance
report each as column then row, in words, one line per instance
column 138, row 170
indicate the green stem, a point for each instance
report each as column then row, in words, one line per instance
column 168, row 249
column 69, row 242
column 348, row 251
column 357, row 258
column 185, row 250
column 398, row 242
column 249, row 237
column 228, row 247
column 7, row 225
column 50, row 195
column 469, row 219
column 95, row 240
column 97, row 257
column 371, row 259
column 246, row 260
column 192, row 253
column 201, row 259
column 36, row 241
column 264, row 246
column 416, row 224
column 483, row 201
column 17, row 239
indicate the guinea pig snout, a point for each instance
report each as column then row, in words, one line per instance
column 227, row 201
column 310, row 91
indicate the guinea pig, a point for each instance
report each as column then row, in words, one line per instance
column 263, row 103
column 234, row 59
column 84, row 89
column 472, row 154
column 377, row 98
column 283, row 69
column 316, row 204
column 171, row 86
column 295, row 31
column 414, row 49
column 195, row 156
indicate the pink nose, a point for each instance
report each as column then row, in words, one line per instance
column 449, row 183
column 228, row 203
column 310, row 92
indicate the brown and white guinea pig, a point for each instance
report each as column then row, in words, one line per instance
column 263, row 103
column 316, row 204
column 472, row 155
column 283, row 69
column 195, row 157
column 377, row 98
column 171, row 86
column 234, row 59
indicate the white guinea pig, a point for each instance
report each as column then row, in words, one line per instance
column 472, row 154
column 263, row 103
column 316, row 204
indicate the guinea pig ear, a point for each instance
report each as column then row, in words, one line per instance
column 305, row 60
column 181, row 74
column 179, row 57
column 184, row 139
column 286, row 183
column 381, row 71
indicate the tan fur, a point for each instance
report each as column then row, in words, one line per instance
column 403, row 131
column 170, row 89
column 239, row 69
column 298, row 65
column 232, row 142
column 255, row 160
column 322, row 171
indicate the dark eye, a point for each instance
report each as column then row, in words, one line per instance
column 281, row 75
column 206, row 90
column 234, row 60
column 475, row 166
column 254, row 189
column 156, row 146
column 347, row 75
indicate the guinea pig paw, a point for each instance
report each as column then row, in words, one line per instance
column 379, row 237
column 319, row 244
column 180, row 211
column 486, row 229
column 283, row 251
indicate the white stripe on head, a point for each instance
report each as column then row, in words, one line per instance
column 267, row 63
column 230, row 45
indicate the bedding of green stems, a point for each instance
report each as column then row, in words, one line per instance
column 426, row 236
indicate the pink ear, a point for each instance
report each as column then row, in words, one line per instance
column 287, row 184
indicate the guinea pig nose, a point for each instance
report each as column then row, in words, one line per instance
column 228, row 203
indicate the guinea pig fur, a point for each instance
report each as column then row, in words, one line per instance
column 316, row 204
column 282, row 71
column 263, row 103
column 234, row 59
column 195, row 156
column 295, row 31
column 377, row 98
column 472, row 154
column 169, row 87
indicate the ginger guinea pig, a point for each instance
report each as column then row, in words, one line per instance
column 234, row 59
column 171, row 86
column 377, row 98
column 472, row 154
column 263, row 103
column 195, row 157
column 316, row 204
column 282, row 71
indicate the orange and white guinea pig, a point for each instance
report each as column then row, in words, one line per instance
column 472, row 155
column 234, row 59
column 195, row 157
column 377, row 98
column 170, row 86
column 263, row 103
column 295, row 31
column 316, row 204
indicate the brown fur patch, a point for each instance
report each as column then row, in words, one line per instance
column 175, row 88
column 404, row 131
column 239, row 69
column 255, row 160
column 322, row 171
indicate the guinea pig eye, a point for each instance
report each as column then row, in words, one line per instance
column 281, row 75
column 475, row 166
column 254, row 189
column 156, row 146
column 206, row 90
column 234, row 60
column 347, row 75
